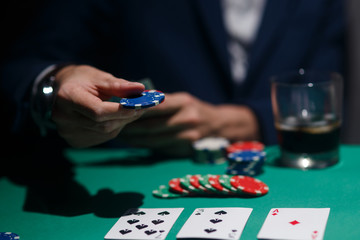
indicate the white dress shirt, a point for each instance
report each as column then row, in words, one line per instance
column 242, row 19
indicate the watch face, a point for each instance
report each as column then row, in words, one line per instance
column 46, row 93
column 42, row 102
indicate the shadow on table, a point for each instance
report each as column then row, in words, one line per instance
column 52, row 189
column 129, row 161
column 105, row 157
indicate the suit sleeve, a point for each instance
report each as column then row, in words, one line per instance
column 65, row 32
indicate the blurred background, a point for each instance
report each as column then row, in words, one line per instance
column 18, row 14
column 351, row 132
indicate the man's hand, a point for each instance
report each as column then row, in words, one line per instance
column 81, row 113
column 171, row 127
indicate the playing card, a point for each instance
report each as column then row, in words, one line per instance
column 295, row 223
column 215, row 223
column 144, row 223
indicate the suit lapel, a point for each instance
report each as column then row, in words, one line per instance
column 271, row 27
column 211, row 19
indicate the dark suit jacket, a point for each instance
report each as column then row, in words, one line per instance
column 180, row 45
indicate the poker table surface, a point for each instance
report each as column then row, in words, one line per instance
column 106, row 182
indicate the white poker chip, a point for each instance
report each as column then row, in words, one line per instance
column 211, row 143
column 210, row 150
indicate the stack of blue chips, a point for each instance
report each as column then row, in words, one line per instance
column 247, row 162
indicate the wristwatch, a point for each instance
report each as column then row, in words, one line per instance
column 43, row 98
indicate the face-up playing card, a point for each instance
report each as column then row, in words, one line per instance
column 144, row 223
column 215, row 223
column 295, row 223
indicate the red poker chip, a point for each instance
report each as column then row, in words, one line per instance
column 194, row 181
column 249, row 185
column 245, row 146
column 214, row 182
column 175, row 186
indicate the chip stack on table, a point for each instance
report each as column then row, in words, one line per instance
column 245, row 158
column 210, row 150
column 245, row 146
column 212, row 185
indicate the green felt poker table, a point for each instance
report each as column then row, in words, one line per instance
column 107, row 182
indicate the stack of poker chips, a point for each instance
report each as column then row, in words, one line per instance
column 212, row 185
column 245, row 158
column 210, row 150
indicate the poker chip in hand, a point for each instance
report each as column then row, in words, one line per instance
column 148, row 98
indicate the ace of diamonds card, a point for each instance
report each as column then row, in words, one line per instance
column 295, row 223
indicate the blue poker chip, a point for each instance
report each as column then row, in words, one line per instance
column 249, row 170
column 252, row 172
column 148, row 98
column 246, row 156
column 248, row 163
column 8, row 236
